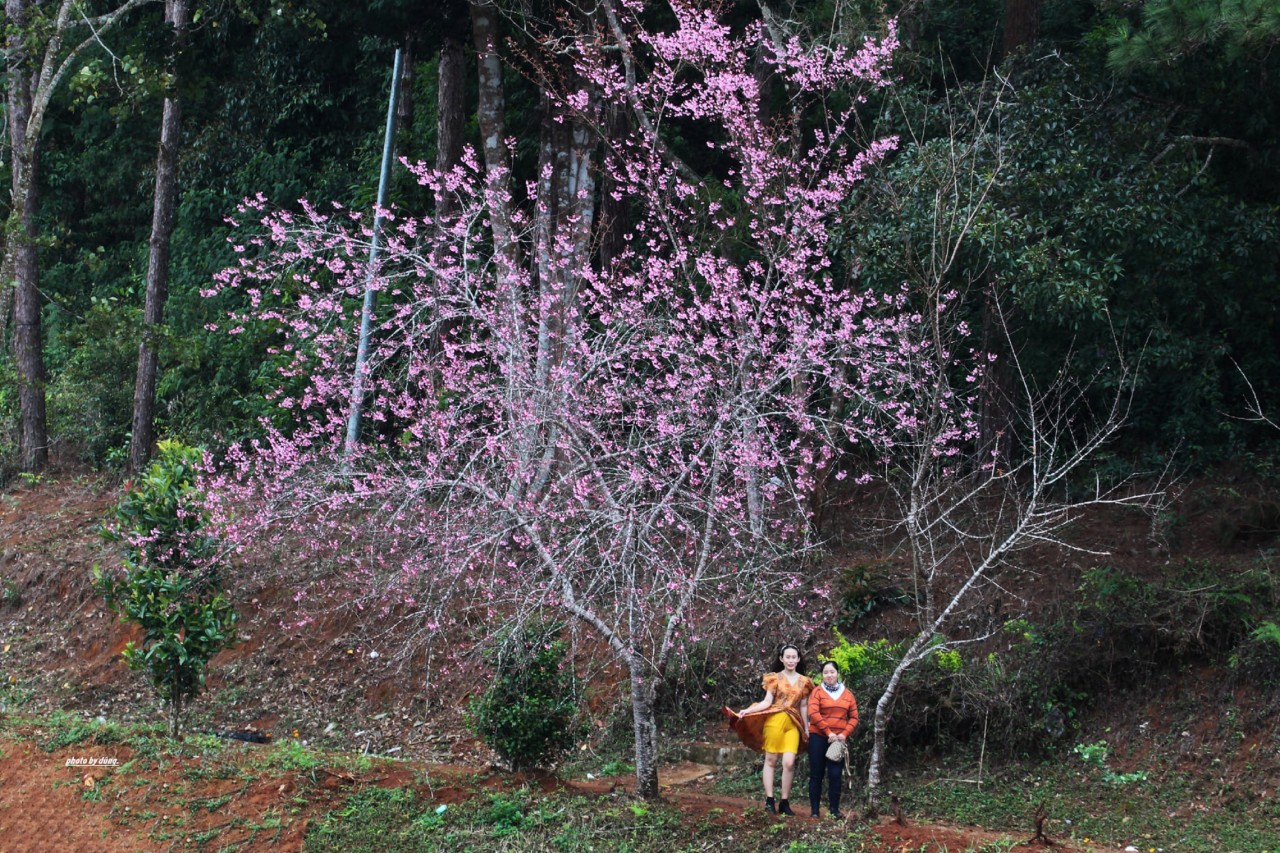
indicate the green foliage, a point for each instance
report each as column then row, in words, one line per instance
column 1259, row 655
column 1171, row 29
column 948, row 660
column 159, row 519
column 288, row 754
column 865, row 589
column 169, row 585
column 1268, row 633
column 1047, row 192
column 506, row 814
column 1119, row 780
column 9, row 413
column 91, row 398
column 1093, row 754
column 376, row 819
column 1194, row 607
column 1036, row 679
column 528, row 714
column 617, row 768
column 10, row 593
column 65, row 730
column 859, row 661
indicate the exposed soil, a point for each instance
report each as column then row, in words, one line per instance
column 69, row 801
column 327, row 685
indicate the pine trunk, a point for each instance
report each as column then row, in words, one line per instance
column 995, row 414
column 491, row 113
column 21, row 264
column 450, row 117
column 1021, row 24
column 177, row 14
column 614, row 218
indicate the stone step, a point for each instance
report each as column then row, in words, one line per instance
column 720, row 754
column 683, row 773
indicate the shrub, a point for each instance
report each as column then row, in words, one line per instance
column 90, row 392
column 859, row 661
column 1259, row 654
column 528, row 714
column 866, row 588
column 169, row 584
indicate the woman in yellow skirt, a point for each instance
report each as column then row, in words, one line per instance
column 778, row 725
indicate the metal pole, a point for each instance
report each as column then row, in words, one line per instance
column 366, row 310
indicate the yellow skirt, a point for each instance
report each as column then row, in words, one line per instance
column 781, row 734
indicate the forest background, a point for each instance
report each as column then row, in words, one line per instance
column 1135, row 193
column 1100, row 180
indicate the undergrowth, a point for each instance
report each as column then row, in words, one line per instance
column 1101, row 790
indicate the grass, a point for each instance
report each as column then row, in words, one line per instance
column 399, row 820
column 60, row 729
column 1157, row 806
column 1175, row 815
column 168, row 791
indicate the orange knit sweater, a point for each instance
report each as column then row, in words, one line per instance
column 829, row 716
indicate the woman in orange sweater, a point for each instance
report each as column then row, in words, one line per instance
column 833, row 715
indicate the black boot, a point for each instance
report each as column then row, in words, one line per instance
column 784, row 807
column 768, row 805
column 813, row 809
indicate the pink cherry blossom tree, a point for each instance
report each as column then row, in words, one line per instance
column 629, row 438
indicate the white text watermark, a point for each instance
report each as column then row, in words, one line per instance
column 104, row 761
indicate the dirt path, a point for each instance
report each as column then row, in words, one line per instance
column 42, row 805
column 89, row 799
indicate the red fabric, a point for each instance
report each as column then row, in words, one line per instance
column 829, row 716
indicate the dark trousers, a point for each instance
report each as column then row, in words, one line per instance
column 818, row 766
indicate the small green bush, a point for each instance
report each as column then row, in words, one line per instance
column 948, row 660
column 859, row 661
column 1093, row 754
column 169, row 584
column 1259, row 654
column 528, row 714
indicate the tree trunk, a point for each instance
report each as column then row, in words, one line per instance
column 491, row 112
column 884, row 708
column 613, row 204
column 405, row 103
column 1021, row 24
column 880, row 724
column 22, row 269
column 643, row 699
column 177, row 14
column 175, row 715
column 32, row 81
column 996, row 401
column 27, row 346
column 450, row 117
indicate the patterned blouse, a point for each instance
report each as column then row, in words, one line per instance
column 788, row 698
